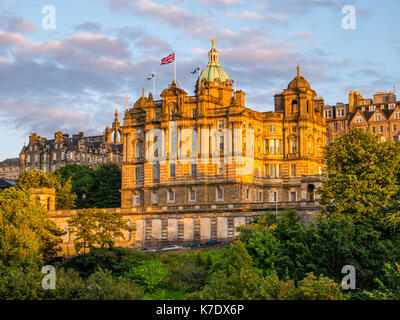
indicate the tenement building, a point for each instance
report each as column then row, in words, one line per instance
column 380, row 115
column 51, row 154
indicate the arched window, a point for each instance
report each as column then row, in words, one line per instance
column 308, row 106
column 311, row 192
column 294, row 106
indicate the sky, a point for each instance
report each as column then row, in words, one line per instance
column 72, row 77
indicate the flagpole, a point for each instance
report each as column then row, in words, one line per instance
column 154, row 86
column 175, row 68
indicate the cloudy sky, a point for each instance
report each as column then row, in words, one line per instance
column 71, row 78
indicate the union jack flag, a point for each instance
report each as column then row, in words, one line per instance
column 169, row 59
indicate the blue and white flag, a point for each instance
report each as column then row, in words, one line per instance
column 151, row 76
column 197, row 70
column 232, row 82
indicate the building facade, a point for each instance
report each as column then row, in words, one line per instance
column 209, row 150
column 50, row 155
column 380, row 116
column 194, row 168
column 10, row 169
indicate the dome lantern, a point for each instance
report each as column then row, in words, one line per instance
column 213, row 69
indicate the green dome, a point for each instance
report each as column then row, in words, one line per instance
column 210, row 73
column 213, row 69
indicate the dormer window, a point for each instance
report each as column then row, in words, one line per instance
column 359, row 119
column 377, row 117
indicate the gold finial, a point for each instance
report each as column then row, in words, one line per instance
column 298, row 71
column 213, row 42
column 143, row 92
column 127, row 100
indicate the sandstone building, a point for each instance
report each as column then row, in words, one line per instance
column 10, row 169
column 50, row 155
column 212, row 150
column 380, row 115
column 196, row 167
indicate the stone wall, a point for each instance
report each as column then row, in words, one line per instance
column 159, row 229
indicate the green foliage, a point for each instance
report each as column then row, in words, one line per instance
column 235, row 277
column 292, row 250
column 363, row 177
column 82, row 182
column 148, row 274
column 27, row 235
column 388, row 284
column 93, row 227
column 117, row 260
column 38, row 179
column 25, row 284
column 94, row 188
column 106, row 185
column 101, row 286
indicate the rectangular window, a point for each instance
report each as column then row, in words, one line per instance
column 272, row 128
column 278, row 146
column 344, row 125
column 171, row 196
column 294, row 146
column 138, row 150
column 221, row 143
column 335, row 126
column 260, row 196
column 266, row 170
column 156, row 171
column 373, row 129
column 221, row 124
column 273, row 197
column 192, row 195
column 137, row 174
column 193, row 170
column 266, row 146
column 247, row 194
column 221, row 168
column 137, row 199
column 292, row 196
column 219, row 194
column 54, row 156
column 155, row 198
column 293, row 170
column 172, row 170
column 381, row 129
column 272, row 146
column 273, row 171
column 394, row 128
column 194, row 113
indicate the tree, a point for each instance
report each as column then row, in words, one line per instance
column 94, row 227
column 27, row 235
column 362, row 177
column 105, row 192
column 31, row 179
column 82, row 182
column 233, row 278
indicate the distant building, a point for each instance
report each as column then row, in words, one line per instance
column 10, row 169
column 50, row 155
column 380, row 115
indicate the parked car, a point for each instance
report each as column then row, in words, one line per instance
column 211, row 242
column 233, row 240
column 146, row 250
column 172, row 247
column 192, row 245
